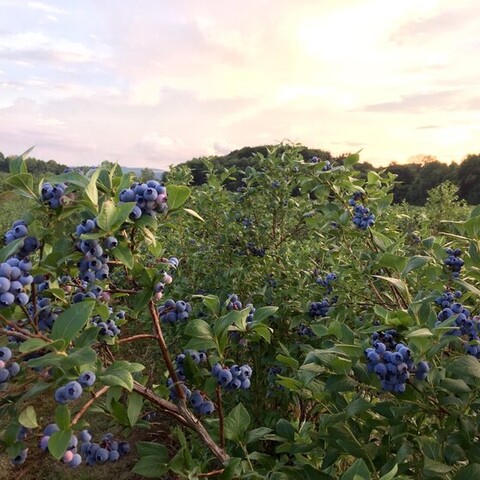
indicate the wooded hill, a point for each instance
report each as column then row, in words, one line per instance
column 413, row 179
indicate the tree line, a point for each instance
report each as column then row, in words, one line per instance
column 413, row 182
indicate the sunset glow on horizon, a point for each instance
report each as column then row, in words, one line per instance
column 153, row 83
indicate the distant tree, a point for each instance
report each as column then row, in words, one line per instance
column 146, row 174
column 430, row 175
column 443, row 204
column 406, row 174
column 469, row 179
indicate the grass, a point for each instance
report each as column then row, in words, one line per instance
column 13, row 207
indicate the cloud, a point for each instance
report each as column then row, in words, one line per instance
column 46, row 8
column 39, row 47
column 422, row 102
column 462, row 16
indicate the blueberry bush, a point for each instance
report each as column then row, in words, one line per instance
column 299, row 330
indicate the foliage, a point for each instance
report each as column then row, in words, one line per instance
column 279, row 279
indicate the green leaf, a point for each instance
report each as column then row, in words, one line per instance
column 151, row 466
column 237, row 317
column 285, row 429
column 17, row 165
column 71, row 321
column 263, row 312
column 32, row 344
column 193, row 213
column 341, row 365
column 433, row 467
column 396, row 282
column 263, row 331
column 23, row 183
column 430, row 447
column 455, row 385
column 74, row 178
column 177, row 196
column 212, row 303
column 237, row 423
column 468, row 287
column 391, row 474
column 135, row 404
column 117, row 375
column 415, row 262
column 10, row 249
column 359, row 405
column 141, row 300
column 91, row 190
column 62, row 417
column 200, row 330
column 287, row 360
column 465, row 365
column 28, row 418
column 79, row 356
column 257, row 434
column 421, row 332
column 112, row 216
column 358, row 471
column 152, row 448
column 58, row 443
column 469, row 472
column 123, row 254
column 351, row 160
column 51, row 359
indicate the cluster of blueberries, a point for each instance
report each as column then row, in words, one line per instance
column 94, row 265
column 107, row 450
column 174, row 311
column 273, row 386
column 8, row 368
column 199, row 402
column 327, row 281
column 199, row 358
column 362, row 217
column 392, row 362
column 466, row 326
column 326, row 167
column 74, row 389
column 320, row 309
column 233, row 302
column 271, row 281
column 46, row 314
column 167, row 279
column 108, row 328
column 15, row 276
column 150, row 198
column 70, row 457
column 53, row 195
column 254, row 250
column 305, row 330
column 453, row 262
column 247, row 222
column 234, row 377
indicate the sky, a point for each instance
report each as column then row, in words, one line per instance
column 151, row 83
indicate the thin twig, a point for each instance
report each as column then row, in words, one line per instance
column 165, row 353
column 220, row 416
column 137, row 337
column 82, row 411
column 211, row 474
